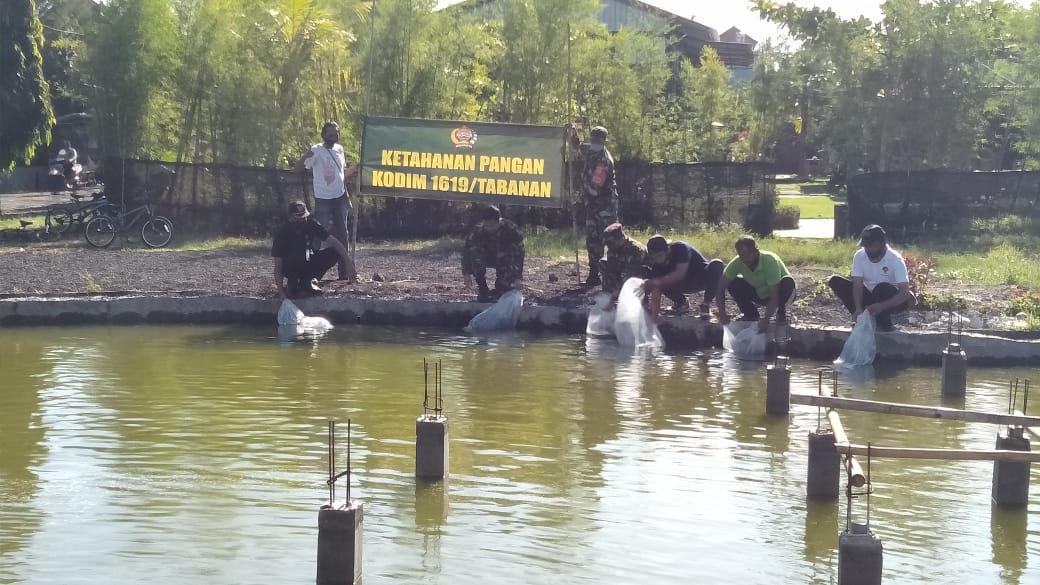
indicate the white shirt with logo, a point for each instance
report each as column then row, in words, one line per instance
column 328, row 166
column 891, row 268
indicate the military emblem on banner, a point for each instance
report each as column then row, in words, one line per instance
column 463, row 137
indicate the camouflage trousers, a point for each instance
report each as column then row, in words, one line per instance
column 598, row 215
column 509, row 268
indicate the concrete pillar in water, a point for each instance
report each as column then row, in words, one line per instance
column 954, row 370
column 859, row 556
column 431, row 447
column 824, row 467
column 778, row 387
column 339, row 543
column 1011, row 478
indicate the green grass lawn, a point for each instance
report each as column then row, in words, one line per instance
column 810, row 206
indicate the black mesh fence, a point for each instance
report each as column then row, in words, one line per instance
column 918, row 204
column 235, row 200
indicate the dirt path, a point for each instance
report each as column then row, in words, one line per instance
column 388, row 270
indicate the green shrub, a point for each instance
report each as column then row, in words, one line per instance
column 787, row 217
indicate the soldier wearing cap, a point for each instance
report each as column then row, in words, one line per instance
column 880, row 282
column 299, row 257
column 626, row 258
column 598, row 194
column 495, row 243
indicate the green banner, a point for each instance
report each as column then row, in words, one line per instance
column 508, row 164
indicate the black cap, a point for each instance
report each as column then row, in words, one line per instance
column 598, row 132
column 656, row 243
column 872, row 234
column 298, row 209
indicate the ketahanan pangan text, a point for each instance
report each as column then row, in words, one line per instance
column 516, row 165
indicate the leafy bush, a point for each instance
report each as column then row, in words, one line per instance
column 1027, row 302
column 786, row 217
column 920, row 270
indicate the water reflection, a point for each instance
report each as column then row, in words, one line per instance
column 22, row 446
column 1009, row 530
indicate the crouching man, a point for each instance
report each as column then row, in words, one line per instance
column 626, row 258
column 880, row 282
column 496, row 243
column 299, row 260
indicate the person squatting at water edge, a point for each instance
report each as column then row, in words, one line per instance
column 626, row 258
column 755, row 278
column 678, row 268
column 494, row 242
column 598, row 193
column 332, row 204
column 297, row 258
column 880, row 281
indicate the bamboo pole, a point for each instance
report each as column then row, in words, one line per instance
column 852, row 467
column 938, row 412
column 941, row 454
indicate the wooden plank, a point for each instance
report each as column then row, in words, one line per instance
column 852, row 468
column 943, row 454
column 939, row 412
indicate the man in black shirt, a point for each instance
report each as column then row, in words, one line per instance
column 679, row 268
column 298, row 256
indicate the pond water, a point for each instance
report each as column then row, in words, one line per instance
column 188, row 455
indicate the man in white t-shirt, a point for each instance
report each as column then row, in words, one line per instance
column 880, row 283
column 331, row 200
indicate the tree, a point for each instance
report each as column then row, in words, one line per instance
column 27, row 116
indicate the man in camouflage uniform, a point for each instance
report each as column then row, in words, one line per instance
column 496, row 243
column 626, row 258
column 598, row 194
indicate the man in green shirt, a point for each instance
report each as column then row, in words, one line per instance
column 755, row 278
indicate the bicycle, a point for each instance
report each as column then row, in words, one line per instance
column 156, row 230
column 23, row 234
column 60, row 217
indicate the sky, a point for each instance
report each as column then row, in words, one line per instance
column 722, row 14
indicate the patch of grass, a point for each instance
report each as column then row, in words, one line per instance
column 810, row 207
column 1004, row 264
column 227, row 243
column 13, row 221
column 90, row 284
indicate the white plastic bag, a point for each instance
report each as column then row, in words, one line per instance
column 743, row 339
column 289, row 314
column 861, row 347
column 293, row 323
column 502, row 315
column 633, row 324
column 601, row 317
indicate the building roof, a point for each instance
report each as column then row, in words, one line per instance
column 735, row 35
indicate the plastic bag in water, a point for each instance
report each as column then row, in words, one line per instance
column 601, row 317
column 293, row 323
column 743, row 339
column 633, row 324
column 289, row 314
column 502, row 315
column 861, row 347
